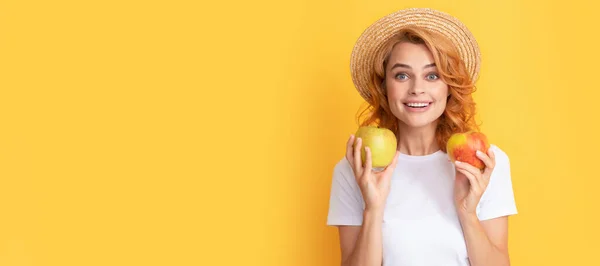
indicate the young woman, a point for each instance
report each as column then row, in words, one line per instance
column 416, row 68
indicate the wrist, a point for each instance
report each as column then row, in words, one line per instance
column 467, row 216
column 373, row 212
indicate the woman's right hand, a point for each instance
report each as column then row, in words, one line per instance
column 374, row 186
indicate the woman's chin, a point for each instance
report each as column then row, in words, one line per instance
column 417, row 123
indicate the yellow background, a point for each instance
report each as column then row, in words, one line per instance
column 187, row 133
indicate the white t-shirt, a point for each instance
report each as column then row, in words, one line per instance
column 420, row 225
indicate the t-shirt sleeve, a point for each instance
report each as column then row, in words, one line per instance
column 498, row 199
column 346, row 204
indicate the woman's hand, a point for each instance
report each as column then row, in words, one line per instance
column 374, row 186
column 471, row 182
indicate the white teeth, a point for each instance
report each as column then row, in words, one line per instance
column 417, row 104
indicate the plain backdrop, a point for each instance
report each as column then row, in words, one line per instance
column 205, row 133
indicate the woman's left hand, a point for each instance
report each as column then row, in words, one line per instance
column 471, row 182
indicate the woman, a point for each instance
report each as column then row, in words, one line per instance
column 416, row 68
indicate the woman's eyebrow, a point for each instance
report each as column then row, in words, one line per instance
column 409, row 67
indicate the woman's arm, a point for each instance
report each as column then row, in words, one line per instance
column 362, row 245
column 374, row 186
column 487, row 241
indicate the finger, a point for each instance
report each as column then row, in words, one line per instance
column 474, row 171
column 482, row 183
column 489, row 163
column 489, row 170
column 492, row 154
column 386, row 174
column 390, row 168
column 349, row 149
column 472, row 180
column 467, row 166
column 357, row 157
column 368, row 166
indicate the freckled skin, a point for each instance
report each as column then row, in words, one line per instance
column 463, row 147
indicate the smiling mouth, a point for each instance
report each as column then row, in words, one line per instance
column 417, row 105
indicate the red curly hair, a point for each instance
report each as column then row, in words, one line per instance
column 459, row 115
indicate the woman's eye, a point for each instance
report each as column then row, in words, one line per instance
column 432, row 76
column 402, row 76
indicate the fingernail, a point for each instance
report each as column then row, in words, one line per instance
column 479, row 153
column 458, row 162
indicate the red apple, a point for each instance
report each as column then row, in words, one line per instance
column 382, row 143
column 463, row 147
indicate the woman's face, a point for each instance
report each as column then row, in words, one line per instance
column 416, row 93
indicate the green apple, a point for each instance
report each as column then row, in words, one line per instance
column 382, row 143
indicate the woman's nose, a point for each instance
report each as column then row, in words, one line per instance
column 417, row 88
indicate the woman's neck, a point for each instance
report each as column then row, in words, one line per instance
column 417, row 141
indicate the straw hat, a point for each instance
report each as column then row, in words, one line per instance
column 376, row 35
